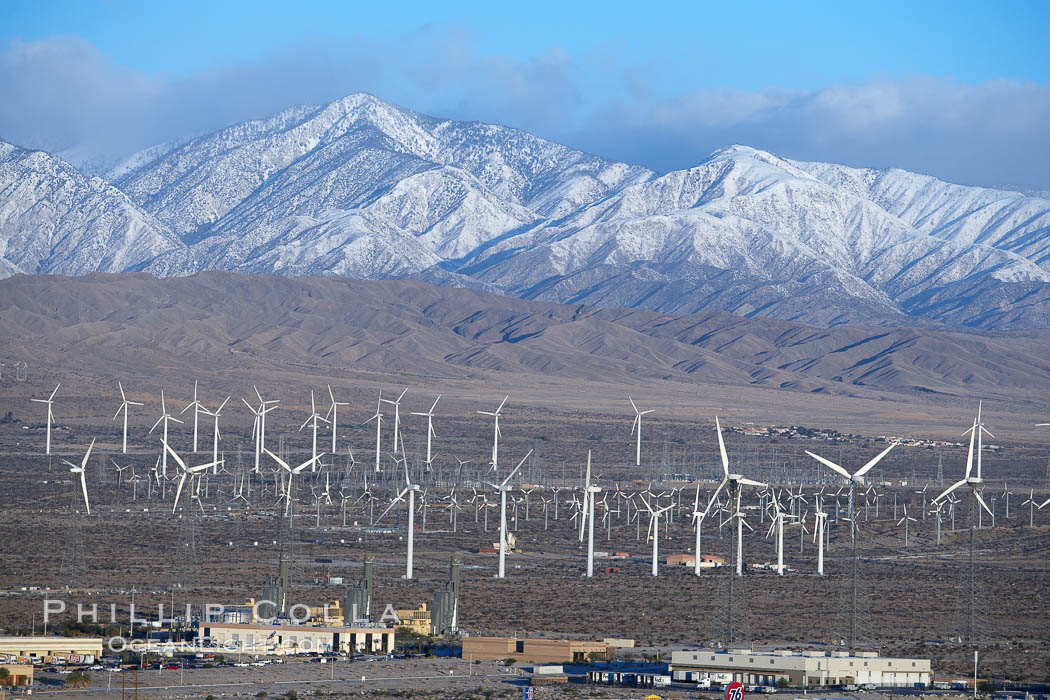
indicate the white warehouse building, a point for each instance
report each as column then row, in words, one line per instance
column 800, row 668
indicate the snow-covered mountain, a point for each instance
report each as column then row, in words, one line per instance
column 363, row 188
column 55, row 219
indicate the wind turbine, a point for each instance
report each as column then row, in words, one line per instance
column 430, row 426
column 215, row 433
column 495, row 434
column 186, row 471
column 734, row 482
column 292, row 473
column 334, row 412
column 411, row 490
column 50, row 415
column 82, row 470
column 257, row 427
column 855, row 478
column 973, row 482
column 314, row 418
column 196, row 406
column 978, row 427
column 124, row 407
column 397, row 416
column 905, row 520
column 503, row 488
column 637, row 425
column 654, row 531
column 164, row 416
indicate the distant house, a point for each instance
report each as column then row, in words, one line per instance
column 707, row 561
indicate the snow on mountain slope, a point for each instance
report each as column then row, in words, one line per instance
column 54, row 219
column 1004, row 220
column 364, row 188
column 196, row 184
column 770, row 223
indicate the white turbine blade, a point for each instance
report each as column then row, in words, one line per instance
column 875, row 460
column 123, row 407
column 174, row 419
column 645, row 412
column 397, row 498
column 121, row 387
column 156, row 424
column 221, row 405
column 751, row 482
column 714, row 497
column 722, row 448
column 174, row 454
column 951, row 488
column 49, row 398
column 969, row 455
column 434, row 405
column 278, row 459
column 511, row 475
column 634, row 425
column 307, row 463
column 178, row 492
column 830, row 465
column 83, row 462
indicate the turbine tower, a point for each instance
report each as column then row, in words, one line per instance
column 215, row 432
column 411, row 490
column 196, row 406
column 333, row 411
column 314, row 418
column 124, row 407
column 397, row 418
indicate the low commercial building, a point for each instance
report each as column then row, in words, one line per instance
column 291, row 639
column 536, row 651
column 800, row 668
column 56, row 650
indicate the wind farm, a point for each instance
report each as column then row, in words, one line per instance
column 708, row 517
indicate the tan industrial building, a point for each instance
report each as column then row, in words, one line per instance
column 19, row 674
column 536, row 651
column 417, row 620
column 800, row 668
column 291, row 639
column 75, row 650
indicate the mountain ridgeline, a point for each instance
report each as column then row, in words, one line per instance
column 364, row 189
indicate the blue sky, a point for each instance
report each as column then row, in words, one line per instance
column 908, row 84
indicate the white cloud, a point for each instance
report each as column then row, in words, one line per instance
column 61, row 93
